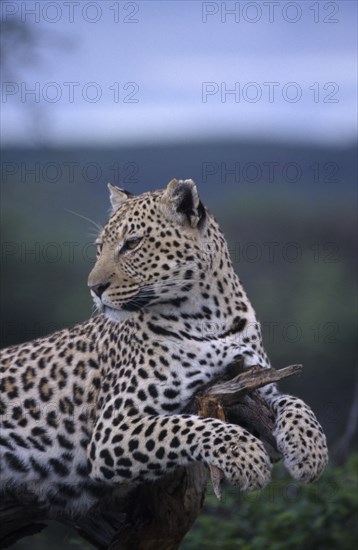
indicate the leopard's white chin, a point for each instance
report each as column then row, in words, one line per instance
column 110, row 312
column 116, row 314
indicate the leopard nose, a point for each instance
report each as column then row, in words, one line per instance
column 99, row 289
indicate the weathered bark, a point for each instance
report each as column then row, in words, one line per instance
column 156, row 516
column 162, row 513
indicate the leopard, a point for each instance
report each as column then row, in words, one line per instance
column 101, row 405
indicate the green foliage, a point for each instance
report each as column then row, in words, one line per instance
column 285, row 515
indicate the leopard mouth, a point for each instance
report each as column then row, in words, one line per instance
column 139, row 301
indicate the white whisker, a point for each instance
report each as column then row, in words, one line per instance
column 98, row 226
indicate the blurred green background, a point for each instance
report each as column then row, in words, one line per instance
column 280, row 176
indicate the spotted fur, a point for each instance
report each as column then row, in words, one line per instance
column 99, row 405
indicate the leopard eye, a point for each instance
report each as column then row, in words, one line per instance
column 130, row 244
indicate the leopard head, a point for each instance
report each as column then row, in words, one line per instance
column 154, row 251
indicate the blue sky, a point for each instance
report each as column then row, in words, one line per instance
column 164, row 71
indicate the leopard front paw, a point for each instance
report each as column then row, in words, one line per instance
column 300, row 439
column 243, row 461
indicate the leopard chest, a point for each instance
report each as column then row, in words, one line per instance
column 159, row 375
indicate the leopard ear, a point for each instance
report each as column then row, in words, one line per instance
column 117, row 196
column 183, row 203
